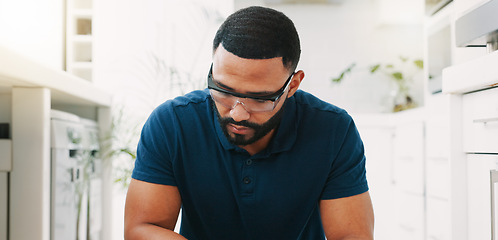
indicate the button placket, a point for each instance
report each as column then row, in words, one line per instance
column 248, row 177
column 247, row 180
column 248, row 162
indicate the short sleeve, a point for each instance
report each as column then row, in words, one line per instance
column 155, row 150
column 347, row 176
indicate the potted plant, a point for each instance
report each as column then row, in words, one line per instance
column 401, row 74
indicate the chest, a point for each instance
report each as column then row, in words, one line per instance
column 231, row 179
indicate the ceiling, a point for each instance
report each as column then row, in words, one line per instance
column 304, row 1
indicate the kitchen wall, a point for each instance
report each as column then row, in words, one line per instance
column 150, row 51
column 362, row 31
column 34, row 28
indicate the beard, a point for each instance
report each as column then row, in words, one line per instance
column 259, row 130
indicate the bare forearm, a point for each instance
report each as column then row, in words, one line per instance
column 352, row 238
column 151, row 232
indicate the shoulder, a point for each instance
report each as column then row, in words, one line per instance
column 184, row 104
column 189, row 99
column 310, row 106
column 182, row 109
column 321, row 121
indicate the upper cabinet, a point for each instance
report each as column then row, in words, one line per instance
column 79, row 38
column 438, row 52
column 478, row 27
column 464, row 6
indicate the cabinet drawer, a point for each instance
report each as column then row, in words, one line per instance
column 438, row 177
column 479, row 197
column 409, row 216
column 408, row 163
column 437, row 165
column 480, row 121
column 438, row 219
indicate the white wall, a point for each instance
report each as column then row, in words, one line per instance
column 138, row 42
column 361, row 31
column 34, row 28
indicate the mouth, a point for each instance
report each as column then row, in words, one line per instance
column 241, row 130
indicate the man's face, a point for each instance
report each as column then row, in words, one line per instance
column 253, row 131
column 242, row 119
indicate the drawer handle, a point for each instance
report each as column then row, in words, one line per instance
column 486, row 120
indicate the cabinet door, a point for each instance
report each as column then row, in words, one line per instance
column 438, row 219
column 409, row 157
column 409, row 208
column 378, row 151
column 480, row 121
column 3, row 205
column 437, row 159
column 479, row 194
column 464, row 6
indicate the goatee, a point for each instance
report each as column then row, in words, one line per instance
column 260, row 130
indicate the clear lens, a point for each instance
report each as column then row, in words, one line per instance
column 251, row 105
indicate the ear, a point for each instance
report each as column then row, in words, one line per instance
column 295, row 82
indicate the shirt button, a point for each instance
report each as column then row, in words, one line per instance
column 247, row 180
column 248, row 162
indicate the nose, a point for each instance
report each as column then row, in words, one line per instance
column 238, row 112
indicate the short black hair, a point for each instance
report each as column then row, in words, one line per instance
column 260, row 33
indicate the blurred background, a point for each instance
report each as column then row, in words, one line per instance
column 78, row 78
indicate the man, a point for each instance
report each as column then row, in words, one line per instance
column 251, row 157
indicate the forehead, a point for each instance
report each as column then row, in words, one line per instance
column 248, row 75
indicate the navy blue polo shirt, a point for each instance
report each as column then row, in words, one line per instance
column 315, row 154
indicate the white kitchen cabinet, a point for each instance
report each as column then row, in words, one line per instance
column 464, row 6
column 377, row 135
column 480, row 142
column 3, row 204
column 394, row 148
column 437, row 134
column 35, row 89
column 480, row 121
column 409, row 157
column 437, row 219
column 410, row 214
column 479, row 212
column 437, row 145
column 409, row 174
column 5, row 155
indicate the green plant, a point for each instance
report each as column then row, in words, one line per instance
column 119, row 145
column 400, row 74
column 155, row 83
